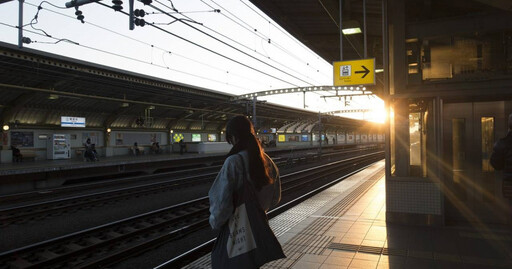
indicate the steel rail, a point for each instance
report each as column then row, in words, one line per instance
column 132, row 235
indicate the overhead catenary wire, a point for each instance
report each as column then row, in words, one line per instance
column 278, row 28
column 245, row 46
column 121, row 56
column 254, row 31
column 163, row 66
column 197, row 29
column 207, row 49
column 150, row 45
column 267, row 74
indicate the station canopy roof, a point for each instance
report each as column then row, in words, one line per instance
column 316, row 23
column 37, row 88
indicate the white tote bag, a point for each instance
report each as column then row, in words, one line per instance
column 241, row 238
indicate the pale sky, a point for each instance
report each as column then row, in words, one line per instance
column 248, row 51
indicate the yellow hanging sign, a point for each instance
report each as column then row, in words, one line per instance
column 356, row 72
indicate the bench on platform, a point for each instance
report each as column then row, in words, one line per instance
column 28, row 154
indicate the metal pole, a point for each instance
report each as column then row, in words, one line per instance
column 385, row 59
column 304, row 95
column 320, row 132
column 131, row 25
column 20, row 24
column 341, row 32
column 254, row 100
column 364, row 29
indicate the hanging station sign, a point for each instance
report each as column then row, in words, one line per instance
column 356, row 72
column 66, row 121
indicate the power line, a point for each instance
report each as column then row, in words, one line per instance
column 254, row 31
column 278, row 28
column 142, row 42
column 199, row 30
column 205, row 48
column 245, row 46
column 121, row 56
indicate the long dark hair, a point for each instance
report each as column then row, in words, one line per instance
column 242, row 129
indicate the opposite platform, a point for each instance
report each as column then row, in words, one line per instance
column 344, row 227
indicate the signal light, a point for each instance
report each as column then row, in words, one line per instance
column 139, row 13
column 117, row 5
column 79, row 15
column 140, row 22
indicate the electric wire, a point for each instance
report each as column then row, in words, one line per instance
column 151, row 45
column 245, row 46
column 39, row 8
column 197, row 29
column 122, row 56
column 254, row 31
column 167, row 67
column 207, row 49
column 119, row 55
column 278, row 28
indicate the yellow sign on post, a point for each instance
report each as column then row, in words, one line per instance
column 356, row 72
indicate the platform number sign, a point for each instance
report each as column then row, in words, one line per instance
column 177, row 137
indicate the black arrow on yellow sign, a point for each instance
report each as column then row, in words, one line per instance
column 366, row 71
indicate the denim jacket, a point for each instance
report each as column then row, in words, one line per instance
column 229, row 179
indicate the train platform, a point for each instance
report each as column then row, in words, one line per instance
column 48, row 165
column 345, row 227
column 76, row 163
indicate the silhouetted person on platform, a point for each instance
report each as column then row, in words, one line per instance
column 182, row 146
column 90, row 153
column 136, row 150
column 16, row 154
column 155, row 148
column 501, row 159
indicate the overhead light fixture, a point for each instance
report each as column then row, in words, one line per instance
column 53, row 97
column 172, row 131
column 109, row 130
column 351, row 28
column 5, row 127
column 125, row 104
column 151, row 107
column 351, row 31
column 379, row 70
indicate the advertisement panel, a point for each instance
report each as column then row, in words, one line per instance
column 196, row 137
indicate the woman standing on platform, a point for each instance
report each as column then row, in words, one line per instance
column 246, row 187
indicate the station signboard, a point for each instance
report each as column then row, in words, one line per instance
column 66, row 121
column 356, row 72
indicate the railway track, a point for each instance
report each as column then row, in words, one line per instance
column 44, row 209
column 109, row 243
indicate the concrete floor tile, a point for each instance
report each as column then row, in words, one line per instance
column 363, row 264
column 367, row 256
column 342, row 261
column 354, row 241
column 342, row 253
column 313, row 258
column 306, row 265
column 332, row 266
column 372, row 243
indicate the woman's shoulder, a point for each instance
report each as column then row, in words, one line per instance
column 233, row 159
